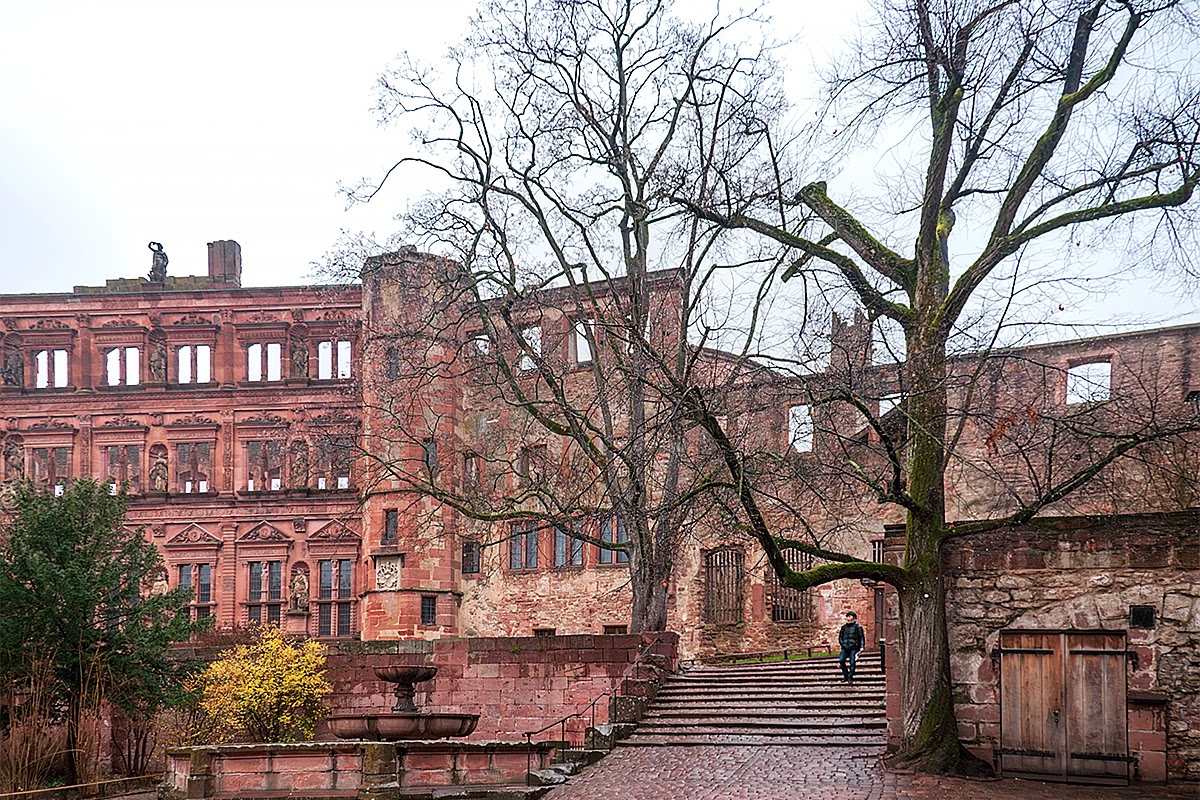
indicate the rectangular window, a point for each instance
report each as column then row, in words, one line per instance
column 568, row 548
column 616, row 630
column 52, row 369
column 264, row 466
column 204, row 583
column 523, row 546
column 343, row 359
column 889, row 403
column 325, row 359
column 203, row 363
column 184, row 374
column 124, row 466
column 123, row 366
column 546, row 632
column 481, row 345
column 429, row 455
column 1089, row 383
column 584, row 330
column 472, row 561
column 724, row 586
column 428, row 610
column 194, row 466
column 532, row 336
column 392, row 360
column 800, row 428
column 531, row 463
column 185, row 576
column 614, row 534
column 391, row 526
column 786, row 604
column 335, row 590
column 254, row 362
column 274, row 361
column 50, row 467
column 266, row 591
column 334, row 462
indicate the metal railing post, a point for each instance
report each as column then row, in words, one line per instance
column 529, row 759
column 882, row 654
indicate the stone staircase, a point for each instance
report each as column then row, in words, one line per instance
column 799, row 702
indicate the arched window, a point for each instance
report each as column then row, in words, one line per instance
column 724, row 586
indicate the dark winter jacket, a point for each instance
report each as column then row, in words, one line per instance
column 851, row 637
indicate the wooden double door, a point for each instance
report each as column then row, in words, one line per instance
column 1062, row 706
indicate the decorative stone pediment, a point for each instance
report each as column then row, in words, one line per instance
column 335, row 531
column 264, row 532
column 264, row 418
column 49, row 424
column 192, row 421
column 193, row 319
column 122, row 322
column 124, row 421
column 49, row 324
column 193, row 535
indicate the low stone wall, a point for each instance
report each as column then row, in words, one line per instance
column 1077, row 573
column 345, row 769
column 514, row 684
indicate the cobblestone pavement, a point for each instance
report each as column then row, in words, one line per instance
column 787, row 773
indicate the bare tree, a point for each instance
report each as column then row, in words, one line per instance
column 1027, row 123
column 574, row 297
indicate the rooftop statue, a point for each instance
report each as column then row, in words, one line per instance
column 158, row 269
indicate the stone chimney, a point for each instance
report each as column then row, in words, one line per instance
column 225, row 262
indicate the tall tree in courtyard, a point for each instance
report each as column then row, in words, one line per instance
column 1027, row 123
column 573, row 292
column 77, row 589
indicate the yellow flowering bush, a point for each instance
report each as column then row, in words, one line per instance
column 271, row 690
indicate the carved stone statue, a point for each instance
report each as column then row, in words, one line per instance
column 158, row 268
column 299, row 358
column 158, row 469
column 160, row 584
column 298, row 478
column 158, row 361
column 14, row 367
column 14, row 461
column 299, row 598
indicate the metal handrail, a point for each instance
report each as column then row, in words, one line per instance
column 561, row 724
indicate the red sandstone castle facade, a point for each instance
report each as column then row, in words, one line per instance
column 245, row 422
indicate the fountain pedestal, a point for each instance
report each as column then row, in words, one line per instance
column 405, row 721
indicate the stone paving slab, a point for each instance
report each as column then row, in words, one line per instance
column 793, row 773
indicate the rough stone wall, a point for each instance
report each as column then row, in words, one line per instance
column 515, row 684
column 1079, row 574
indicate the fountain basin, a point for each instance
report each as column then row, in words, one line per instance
column 399, row 726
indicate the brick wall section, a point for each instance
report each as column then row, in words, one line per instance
column 1084, row 573
column 516, row 684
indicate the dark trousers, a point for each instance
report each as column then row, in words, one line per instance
column 847, row 661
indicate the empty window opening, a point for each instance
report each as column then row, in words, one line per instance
column 1089, row 383
column 52, row 369
column 195, row 465
column 123, row 366
column 800, row 428
column 532, row 353
column 584, row 330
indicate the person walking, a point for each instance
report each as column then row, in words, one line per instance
column 852, row 640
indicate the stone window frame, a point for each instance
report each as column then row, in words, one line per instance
column 195, row 553
column 193, row 336
column 121, row 434
column 1081, row 386
column 337, row 549
column 198, row 433
column 56, row 438
column 51, row 340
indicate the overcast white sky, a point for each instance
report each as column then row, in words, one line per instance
column 188, row 121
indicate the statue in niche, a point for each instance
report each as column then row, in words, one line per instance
column 160, row 584
column 158, row 362
column 299, row 473
column 14, row 367
column 158, row 267
column 158, row 468
column 299, row 598
column 14, row 460
column 299, row 358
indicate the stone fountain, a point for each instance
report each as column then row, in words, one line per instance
column 404, row 721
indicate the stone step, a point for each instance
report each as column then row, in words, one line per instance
column 821, row 740
column 761, row 727
column 799, row 664
column 779, row 693
column 697, row 707
column 801, row 714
